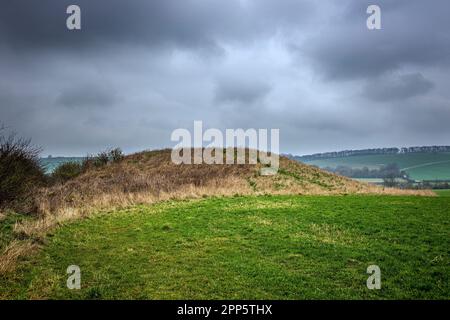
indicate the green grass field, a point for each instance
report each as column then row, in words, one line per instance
column 6, row 228
column 420, row 166
column 268, row 247
column 443, row 193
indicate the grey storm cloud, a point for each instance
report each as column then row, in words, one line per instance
column 236, row 90
column 414, row 33
column 139, row 69
column 87, row 95
column 190, row 23
column 398, row 87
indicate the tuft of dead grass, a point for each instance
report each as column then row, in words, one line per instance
column 13, row 252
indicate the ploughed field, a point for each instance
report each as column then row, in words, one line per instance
column 252, row 247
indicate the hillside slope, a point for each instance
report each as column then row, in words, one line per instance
column 149, row 176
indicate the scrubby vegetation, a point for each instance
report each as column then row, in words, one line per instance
column 72, row 169
column 104, row 157
column 67, row 171
column 22, row 177
column 21, row 174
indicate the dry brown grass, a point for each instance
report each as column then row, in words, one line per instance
column 149, row 177
column 13, row 252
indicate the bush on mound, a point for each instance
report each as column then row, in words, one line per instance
column 67, row 171
column 102, row 158
column 21, row 173
column 70, row 170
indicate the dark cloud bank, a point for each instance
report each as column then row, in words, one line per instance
column 139, row 69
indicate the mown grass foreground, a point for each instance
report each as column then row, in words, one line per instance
column 267, row 247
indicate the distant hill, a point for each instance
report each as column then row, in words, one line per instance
column 374, row 151
column 421, row 163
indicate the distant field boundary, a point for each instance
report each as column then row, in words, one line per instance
column 425, row 165
column 420, row 166
column 371, row 152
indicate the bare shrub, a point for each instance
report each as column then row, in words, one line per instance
column 116, row 155
column 102, row 159
column 21, row 173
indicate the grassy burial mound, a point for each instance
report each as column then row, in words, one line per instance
column 149, row 177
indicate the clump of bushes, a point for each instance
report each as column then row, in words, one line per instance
column 71, row 170
column 116, row 155
column 21, row 172
column 67, row 171
column 22, row 175
column 103, row 158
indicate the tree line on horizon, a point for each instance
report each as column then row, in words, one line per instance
column 373, row 151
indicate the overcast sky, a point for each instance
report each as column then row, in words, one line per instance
column 139, row 69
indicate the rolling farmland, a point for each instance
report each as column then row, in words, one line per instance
column 420, row 166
